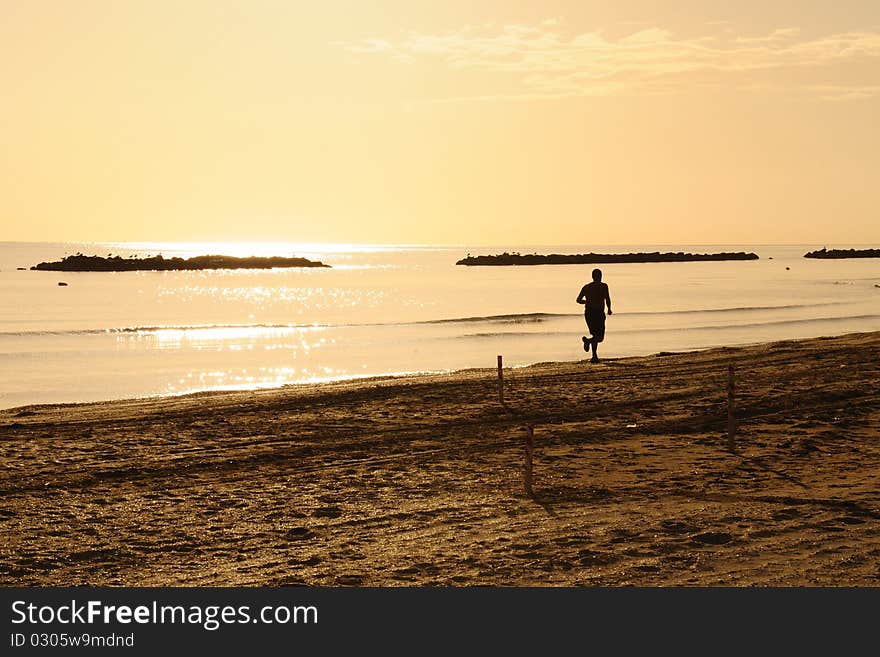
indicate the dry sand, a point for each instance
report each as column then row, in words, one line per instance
column 418, row 480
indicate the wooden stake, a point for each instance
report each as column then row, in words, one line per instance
column 530, row 447
column 500, row 382
column 731, row 419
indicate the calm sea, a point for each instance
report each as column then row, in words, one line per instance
column 387, row 309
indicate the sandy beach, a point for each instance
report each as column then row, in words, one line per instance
column 418, row 480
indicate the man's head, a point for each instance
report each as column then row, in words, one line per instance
column 597, row 275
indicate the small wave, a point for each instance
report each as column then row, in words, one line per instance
column 708, row 311
column 520, row 318
column 516, row 318
column 156, row 329
column 513, row 318
column 682, row 329
column 724, row 327
column 507, row 334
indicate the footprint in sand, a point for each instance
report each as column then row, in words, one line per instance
column 786, row 514
column 594, row 558
column 287, row 581
column 763, row 533
column 404, row 573
column 647, row 568
column 528, row 555
column 676, row 528
column 299, row 534
column 712, row 538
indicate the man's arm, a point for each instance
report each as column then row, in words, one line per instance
column 608, row 299
column 582, row 297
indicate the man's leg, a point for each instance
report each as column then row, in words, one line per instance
column 588, row 341
column 598, row 330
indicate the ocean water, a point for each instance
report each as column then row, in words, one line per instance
column 387, row 309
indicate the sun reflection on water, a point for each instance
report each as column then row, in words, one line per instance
column 229, row 337
column 297, row 299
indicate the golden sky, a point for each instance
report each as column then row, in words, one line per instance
column 494, row 122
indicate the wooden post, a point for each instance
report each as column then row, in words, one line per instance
column 527, row 473
column 731, row 419
column 500, row 382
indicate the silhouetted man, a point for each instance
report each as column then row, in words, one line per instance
column 594, row 296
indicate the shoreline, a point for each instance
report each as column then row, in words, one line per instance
column 416, row 480
column 381, row 377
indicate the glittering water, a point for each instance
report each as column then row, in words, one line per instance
column 386, row 310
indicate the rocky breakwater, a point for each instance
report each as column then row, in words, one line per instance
column 81, row 262
column 598, row 258
column 837, row 254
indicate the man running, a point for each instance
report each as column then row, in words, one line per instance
column 594, row 296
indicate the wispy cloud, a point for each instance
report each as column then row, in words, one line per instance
column 846, row 92
column 545, row 63
column 776, row 36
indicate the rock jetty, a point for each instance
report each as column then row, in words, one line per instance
column 81, row 262
column 835, row 254
column 598, row 258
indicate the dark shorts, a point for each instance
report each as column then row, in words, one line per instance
column 595, row 322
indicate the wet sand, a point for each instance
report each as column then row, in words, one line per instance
column 418, row 480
